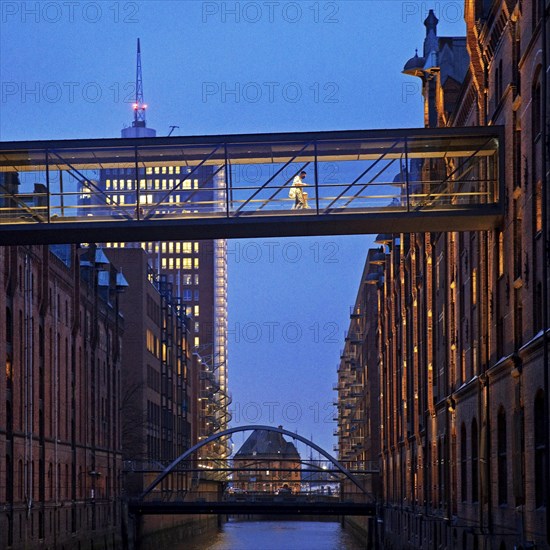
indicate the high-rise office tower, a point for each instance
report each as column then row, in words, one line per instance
column 197, row 270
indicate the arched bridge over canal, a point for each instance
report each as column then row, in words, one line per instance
column 255, row 485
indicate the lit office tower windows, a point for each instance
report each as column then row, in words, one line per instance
column 196, row 270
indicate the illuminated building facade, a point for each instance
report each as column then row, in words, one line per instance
column 195, row 270
column 462, row 318
column 267, row 463
column 197, row 273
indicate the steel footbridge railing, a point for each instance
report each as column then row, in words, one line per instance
column 238, row 185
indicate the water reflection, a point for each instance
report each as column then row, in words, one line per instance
column 275, row 535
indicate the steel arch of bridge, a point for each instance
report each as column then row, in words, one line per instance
column 248, row 428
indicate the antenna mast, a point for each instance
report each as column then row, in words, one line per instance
column 139, row 106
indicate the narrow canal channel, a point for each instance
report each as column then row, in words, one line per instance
column 275, row 535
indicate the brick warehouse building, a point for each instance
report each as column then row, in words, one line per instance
column 463, row 317
column 160, row 380
column 59, row 422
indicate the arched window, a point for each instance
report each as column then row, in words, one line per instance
column 463, row 464
column 540, row 450
column 502, row 464
column 475, row 462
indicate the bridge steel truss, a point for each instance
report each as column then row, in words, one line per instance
column 282, row 505
column 235, row 186
column 225, row 433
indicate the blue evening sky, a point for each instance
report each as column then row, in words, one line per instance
column 67, row 70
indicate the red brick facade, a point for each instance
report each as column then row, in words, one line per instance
column 461, row 321
column 59, row 423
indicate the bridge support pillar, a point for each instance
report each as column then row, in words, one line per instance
column 129, row 527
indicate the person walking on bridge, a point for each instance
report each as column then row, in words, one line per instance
column 298, row 194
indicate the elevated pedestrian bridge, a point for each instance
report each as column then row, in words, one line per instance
column 233, row 186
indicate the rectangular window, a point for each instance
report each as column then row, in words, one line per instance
column 186, row 248
column 187, row 295
column 195, row 263
column 186, row 263
column 197, row 279
column 186, row 184
column 187, row 279
column 196, row 311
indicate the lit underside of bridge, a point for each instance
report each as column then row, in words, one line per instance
column 235, row 186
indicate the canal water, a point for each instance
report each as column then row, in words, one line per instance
column 275, row 535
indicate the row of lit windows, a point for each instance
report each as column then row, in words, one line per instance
column 179, row 263
column 165, row 248
column 166, row 184
column 149, row 170
column 172, row 247
column 163, row 170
